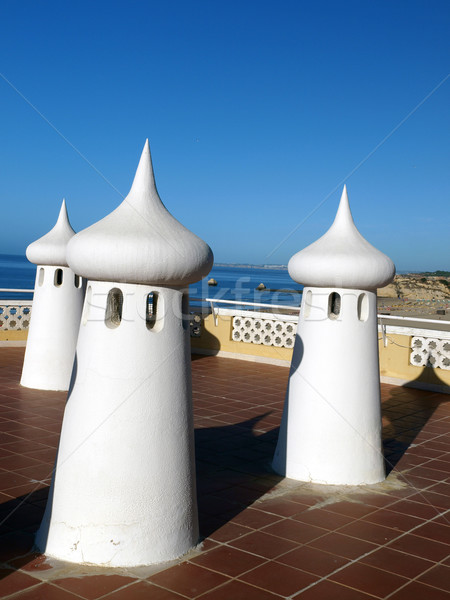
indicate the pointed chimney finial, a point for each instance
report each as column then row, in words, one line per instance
column 140, row 241
column 50, row 249
column 342, row 257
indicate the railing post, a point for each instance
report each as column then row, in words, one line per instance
column 214, row 314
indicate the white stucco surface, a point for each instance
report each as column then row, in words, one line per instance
column 50, row 249
column 331, row 427
column 342, row 257
column 140, row 241
column 53, row 331
column 55, row 319
column 124, row 489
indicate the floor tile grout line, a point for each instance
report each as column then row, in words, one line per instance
column 41, row 462
column 442, row 479
column 428, row 502
column 39, row 442
column 130, row 584
column 40, row 582
column 166, row 589
column 223, row 584
column 300, row 544
column 353, row 561
column 416, row 579
column 376, row 509
column 361, row 519
column 337, row 530
column 237, row 577
column 433, row 439
column 433, row 565
column 344, row 586
column 16, row 594
column 51, row 583
column 265, row 561
column 424, row 521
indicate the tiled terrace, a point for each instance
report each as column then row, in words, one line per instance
column 264, row 537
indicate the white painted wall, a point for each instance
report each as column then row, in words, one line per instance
column 53, row 330
column 124, row 491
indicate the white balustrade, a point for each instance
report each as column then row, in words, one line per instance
column 269, row 332
column 430, row 352
column 15, row 316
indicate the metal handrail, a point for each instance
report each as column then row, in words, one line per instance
column 380, row 317
column 16, row 290
column 415, row 319
column 243, row 303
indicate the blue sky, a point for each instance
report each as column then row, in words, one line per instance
column 257, row 112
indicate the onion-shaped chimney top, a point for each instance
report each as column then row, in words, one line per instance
column 140, row 241
column 51, row 248
column 342, row 257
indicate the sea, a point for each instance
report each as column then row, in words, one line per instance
column 235, row 283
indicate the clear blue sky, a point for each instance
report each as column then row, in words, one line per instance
column 256, row 111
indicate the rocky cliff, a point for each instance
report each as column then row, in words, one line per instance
column 417, row 287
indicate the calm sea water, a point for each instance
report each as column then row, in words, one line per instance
column 16, row 272
column 235, row 283
column 239, row 283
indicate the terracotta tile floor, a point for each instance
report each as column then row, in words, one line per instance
column 264, row 537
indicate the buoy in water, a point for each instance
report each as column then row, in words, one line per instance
column 212, row 281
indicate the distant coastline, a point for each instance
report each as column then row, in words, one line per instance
column 250, row 266
column 437, row 273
